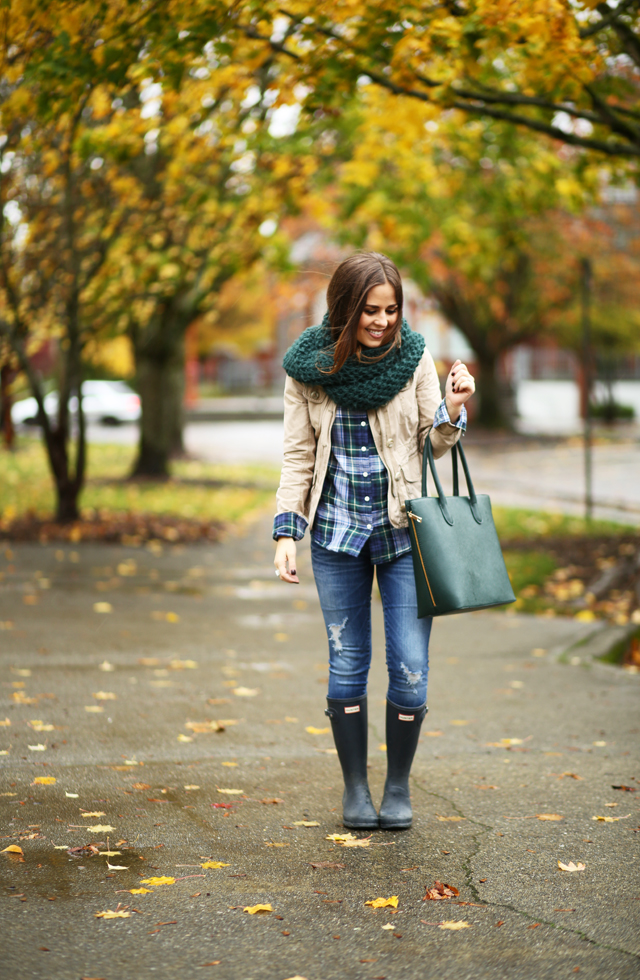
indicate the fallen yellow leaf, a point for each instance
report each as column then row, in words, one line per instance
column 306, row 823
column 449, row 819
column 109, row 914
column 205, row 726
column 388, row 926
column 316, row 731
column 606, row 819
column 340, row 837
column 184, row 738
column 433, row 734
column 215, row 864
column 100, row 828
column 230, row 792
column 44, row 781
column 549, row 816
column 140, row 891
column 96, row 709
column 254, row 909
column 105, row 696
column 383, row 903
column 39, row 726
column 95, row 813
column 21, row 698
column 5, row 723
column 454, row 924
column 459, row 721
column 13, row 849
column 365, row 842
column 158, row 880
column 231, row 765
column 192, row 786
column 571, row 866
column 246, row 692
column 102, row 607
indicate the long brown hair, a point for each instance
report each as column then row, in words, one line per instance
column 347, row 297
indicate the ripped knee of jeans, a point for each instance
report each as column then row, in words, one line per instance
column 412, row 678
column 335, row 634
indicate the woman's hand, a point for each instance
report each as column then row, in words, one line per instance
column 285, row 560
column 459, row 389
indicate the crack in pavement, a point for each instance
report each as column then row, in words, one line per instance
column 466, row 865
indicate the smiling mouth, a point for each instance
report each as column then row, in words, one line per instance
column 376, row 334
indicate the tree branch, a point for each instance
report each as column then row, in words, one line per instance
column 601, row 146
column 630, row 41
column 609, row 16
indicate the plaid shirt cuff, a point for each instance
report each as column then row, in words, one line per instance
column 442, row 415
column 289, row 525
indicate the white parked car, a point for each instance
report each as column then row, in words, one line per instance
column 107, row 402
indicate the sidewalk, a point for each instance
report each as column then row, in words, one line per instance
column 204, row 634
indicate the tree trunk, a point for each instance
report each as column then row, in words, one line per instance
column 67, row 487
column 160, row 379
column 492, row 400
column 7, row 375
column 67, row 502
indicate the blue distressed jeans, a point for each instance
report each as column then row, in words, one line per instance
column 344, row 586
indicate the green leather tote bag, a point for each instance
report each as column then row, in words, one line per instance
column 457, row 557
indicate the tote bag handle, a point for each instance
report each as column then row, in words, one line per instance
column 429, row 462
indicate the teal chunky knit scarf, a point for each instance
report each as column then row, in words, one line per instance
column 358, row 385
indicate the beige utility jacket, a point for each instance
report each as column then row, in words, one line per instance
column 399, row 431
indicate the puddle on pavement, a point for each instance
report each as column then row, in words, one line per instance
column 58, row 875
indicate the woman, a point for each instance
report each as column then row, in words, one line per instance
column 361, row 396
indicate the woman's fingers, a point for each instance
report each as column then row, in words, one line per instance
column 285, row 560
column 461, row 379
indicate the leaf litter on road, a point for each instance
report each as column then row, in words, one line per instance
column 610, row 819
column 571, row 866
column 349, row 840
column 440, row 891
column 383, row 903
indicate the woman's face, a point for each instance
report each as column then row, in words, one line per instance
column 379, row 317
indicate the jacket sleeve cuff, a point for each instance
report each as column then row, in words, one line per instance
column 289, row 525
column 442, row 416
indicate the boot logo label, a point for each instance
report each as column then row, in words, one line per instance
column 406, row 717
column 352, row 709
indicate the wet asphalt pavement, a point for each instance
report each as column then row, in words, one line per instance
column 123, row 702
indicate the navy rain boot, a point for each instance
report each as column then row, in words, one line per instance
column 403, row 732
column 349, row 725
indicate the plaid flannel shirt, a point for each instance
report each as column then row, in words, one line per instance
column 353, row 505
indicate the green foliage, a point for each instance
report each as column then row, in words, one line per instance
column 217, row 492
column 517, row 524
column 528, row 568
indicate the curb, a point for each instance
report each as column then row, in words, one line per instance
column 599, row 648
